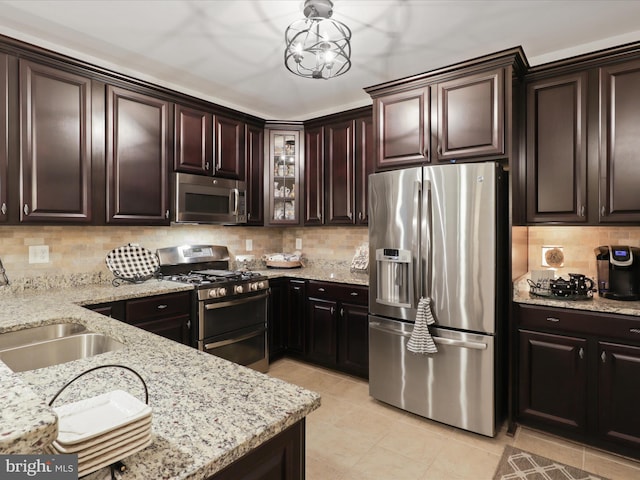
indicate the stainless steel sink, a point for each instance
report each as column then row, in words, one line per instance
column 60, row 350
column 31, row 335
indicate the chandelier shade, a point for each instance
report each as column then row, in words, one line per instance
column 318, row 46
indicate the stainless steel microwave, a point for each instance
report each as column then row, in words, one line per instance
column 201, row 199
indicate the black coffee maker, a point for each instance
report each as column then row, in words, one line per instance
column 618, row 272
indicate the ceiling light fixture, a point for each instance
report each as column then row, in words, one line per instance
column 318, row 46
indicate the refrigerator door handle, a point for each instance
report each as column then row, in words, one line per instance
column 426, row 254
column 440, row 340
column 460, row 343
column 417, row 244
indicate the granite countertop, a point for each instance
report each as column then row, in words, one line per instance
column 327, row 273
column 207, row 412
column 596, row 304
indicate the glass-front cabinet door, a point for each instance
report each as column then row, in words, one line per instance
column 284, row 189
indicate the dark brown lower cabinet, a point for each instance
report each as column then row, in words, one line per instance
column 619, row 393
column 295, row 317
column 280, row 458
column 277, row 318
column 553, row 380
column 166, row 315
column 578, row 375
column 337, row 328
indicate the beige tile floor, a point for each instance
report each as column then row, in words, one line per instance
column 354, row 437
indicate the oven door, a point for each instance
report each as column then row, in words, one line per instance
column 246, row 347
column 236, row 329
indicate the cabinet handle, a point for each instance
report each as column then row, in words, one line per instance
column 206, row 166
column 354, row 294
column 188, row 323
column 166, row 214
column 604, row 357
column 3, row 209
column 333, row 310
column 342, row 312
column 582, row 211
column 248, row 215
column 553, row 319
column 350, row 216
column 321, row 289
column 581, row 353
column 602, row 211
column 359, row 215
column 162, row 307
column 439, row 149
column 634, row 330
column 26, row 209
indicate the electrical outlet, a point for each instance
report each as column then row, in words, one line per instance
column 298, row 244
column 248, row 245
column 38, row 253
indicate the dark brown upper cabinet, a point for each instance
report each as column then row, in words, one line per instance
column 193, row 140
column 138, row 155
column 55, row 145
column 254, row 151
column 556, row 163
column 229, row 147
column 4, row 136
column 338, row 159
column 471, row 116
column 402, row 128
column 364, row 166
column 463, row 112
column 619, row 160
column 339, row 169
column 314, row 176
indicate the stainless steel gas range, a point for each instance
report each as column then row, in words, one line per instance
column 230, row 307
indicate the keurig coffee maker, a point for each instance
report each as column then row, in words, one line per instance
column 618, row 272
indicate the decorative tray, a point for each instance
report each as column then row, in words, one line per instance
column 538, row 290
column 132, row 263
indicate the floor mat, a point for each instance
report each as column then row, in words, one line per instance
column 521, row 465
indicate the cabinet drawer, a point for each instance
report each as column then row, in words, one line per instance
column 160, row 306
column 580, row 321
column 338, row 291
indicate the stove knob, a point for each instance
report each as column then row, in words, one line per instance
column 260, row 285
column 222, row 292
column 213, row 293
column 239, row 289
column 254, row 286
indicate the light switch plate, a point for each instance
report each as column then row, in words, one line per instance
column 298, row 244
column 38, row 253
column 248, row 245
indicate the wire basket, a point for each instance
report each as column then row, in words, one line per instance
column 132, row 263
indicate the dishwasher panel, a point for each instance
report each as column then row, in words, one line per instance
column 454, row 386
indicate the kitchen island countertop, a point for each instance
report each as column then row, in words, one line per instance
column 207, row 412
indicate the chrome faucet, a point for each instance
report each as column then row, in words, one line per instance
column 4, row 280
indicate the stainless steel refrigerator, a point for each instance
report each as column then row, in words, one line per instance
column 439, row 232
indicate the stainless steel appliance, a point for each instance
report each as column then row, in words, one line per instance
column 230, row 306
column 202, row 199
column 618, row 272
column 439, row 232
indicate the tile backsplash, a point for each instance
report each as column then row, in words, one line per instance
column 82, row 249
column 578, row 244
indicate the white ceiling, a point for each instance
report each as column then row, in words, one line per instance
column 231, row 52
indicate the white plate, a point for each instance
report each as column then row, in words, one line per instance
column 112, row 457
column 106, row 440
column 86, row 419
column 97, row 452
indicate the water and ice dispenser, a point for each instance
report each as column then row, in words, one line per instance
column 395, row 277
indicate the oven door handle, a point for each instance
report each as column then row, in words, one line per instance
column 237, row 301
column 229, row 341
